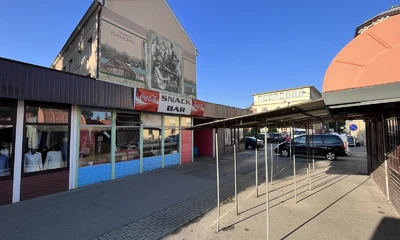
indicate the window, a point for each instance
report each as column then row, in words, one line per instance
column 151, row 135
column 316, row 140
column 70, row 65
column 171, row 135
column 332, row 139
column 90, row 45
column 228, row 137
column 95, row 137
column 6, row 140
column 294, row 94
column 271, row 97
column 46, row 142
column 287, row 95
column 127, row 137
column 276, row 96
column 300, row 140
column 301, row 93
column 265, row 98
column 260, row 98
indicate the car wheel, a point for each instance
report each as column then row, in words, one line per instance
column 250, row 147
column 330, row 156
column 284, row 153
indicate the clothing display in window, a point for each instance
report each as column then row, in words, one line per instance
column 33, row 161
column 4, row 165
column 54, row 160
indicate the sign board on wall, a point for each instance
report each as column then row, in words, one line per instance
column 151, row 101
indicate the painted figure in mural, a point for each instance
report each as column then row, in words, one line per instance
column 166, row 66
column 156, row 49
column 159, row 80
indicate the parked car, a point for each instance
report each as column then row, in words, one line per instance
column 353, row 141
column 328, row 145
column 278, row 138
column 252, row 143
column 261, row 136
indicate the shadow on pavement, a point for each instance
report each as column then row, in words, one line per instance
column 388, row 229
column 323, row 210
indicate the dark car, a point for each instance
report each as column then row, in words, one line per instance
column 328, row 145
column 278, row 138
column 261, row 136
column 252, row 143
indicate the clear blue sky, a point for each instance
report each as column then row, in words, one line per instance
column 245, row 46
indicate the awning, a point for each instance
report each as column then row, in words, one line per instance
column 366, row 67
column 299, row 115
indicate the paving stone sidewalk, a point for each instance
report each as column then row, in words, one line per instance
column 172, row 218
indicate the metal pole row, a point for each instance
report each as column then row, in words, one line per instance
column 235, row 170
column 217, row 166
column 266, row 183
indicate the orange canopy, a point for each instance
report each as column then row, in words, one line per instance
column 370, row 59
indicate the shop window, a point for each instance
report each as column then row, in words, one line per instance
column 228, row 137
column 46, row 138
column 128, row 137
column 171, row 135
column 151, row 135
column 6, row 140
column 95, row 137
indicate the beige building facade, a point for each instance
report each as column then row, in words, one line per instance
column 132, row 43
column 272, row 100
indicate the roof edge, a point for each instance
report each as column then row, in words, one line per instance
column 287, row 89
column 181, row 26
column 95, row 4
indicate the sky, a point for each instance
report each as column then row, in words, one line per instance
column 245, row 47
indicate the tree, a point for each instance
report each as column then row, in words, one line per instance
column 87, row 114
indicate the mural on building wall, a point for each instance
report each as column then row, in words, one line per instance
column 122, row 56
column 165, row 64
column 189, row 88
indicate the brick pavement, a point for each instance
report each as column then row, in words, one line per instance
column 168, row 220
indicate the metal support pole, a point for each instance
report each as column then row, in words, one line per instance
column 291, row 140
column 294, row 172
column 385, row 156
column 235, row 169
column 266, row 183
column 313, row 152
column 272, row 163
column 217, row 166
column 309, row 167
column 257, row 168
column 277, row 160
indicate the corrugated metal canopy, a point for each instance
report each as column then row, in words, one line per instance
column 314, row 111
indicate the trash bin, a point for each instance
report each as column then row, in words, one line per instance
column 195, row 151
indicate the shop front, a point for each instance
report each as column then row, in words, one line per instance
column 7, row 135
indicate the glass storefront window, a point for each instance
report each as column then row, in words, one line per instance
column 128, row 137
column 6, row 154
column 5, row 114
column 95, row 137
column 186, row 122
column 35, row 114
column 151, row 135
column 171, row 135
column 46, row 139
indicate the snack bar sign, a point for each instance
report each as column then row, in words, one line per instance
column 151, row 101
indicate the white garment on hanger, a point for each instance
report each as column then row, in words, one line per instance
column 33, row 162
column 31, row 134
column 54, row 160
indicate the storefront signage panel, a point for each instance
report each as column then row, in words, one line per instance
column 151, row 101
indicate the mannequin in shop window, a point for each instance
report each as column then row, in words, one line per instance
column 4, row 164
column 54, row 158
column 33, row 161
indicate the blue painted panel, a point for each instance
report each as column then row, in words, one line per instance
column 152, row 163
column 171, row 159
column 94, row 174
column 123, row 169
